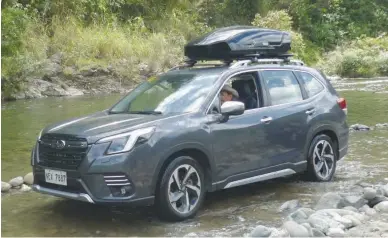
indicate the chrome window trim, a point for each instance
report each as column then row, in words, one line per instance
column 272, row 106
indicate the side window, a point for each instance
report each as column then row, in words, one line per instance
column 240, row 88
column 283, row 87
column 312, row 85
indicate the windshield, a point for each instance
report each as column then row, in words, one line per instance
column 178, row 93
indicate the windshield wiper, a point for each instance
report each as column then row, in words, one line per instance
column 145, row 112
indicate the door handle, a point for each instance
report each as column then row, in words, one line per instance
column 310, row 111
column 266, row 119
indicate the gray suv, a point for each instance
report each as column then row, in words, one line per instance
column 197, row 129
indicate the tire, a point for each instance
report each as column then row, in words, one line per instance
column 315, row 160
column 188, row 202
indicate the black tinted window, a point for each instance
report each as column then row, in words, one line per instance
column 283, row 86
column 312, row 86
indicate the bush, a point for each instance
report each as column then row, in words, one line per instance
column 363, row 57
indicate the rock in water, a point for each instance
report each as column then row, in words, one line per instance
column 317, row 233
column 298, row 216
column 336, row 232
column 25, row 188
column 377, row 200
column 369, row 193
column 15, row 182
column 382, row 207
column 359, row 127
column 279, row 233
column 5, row 187
column 295, row 230
column 350, row 208
column 261, row 231
column 368, row 211
column 29, row 178
column 330, row 200
column 355, row 221
column 385, row 190
column 355, row 201
column 289, row 206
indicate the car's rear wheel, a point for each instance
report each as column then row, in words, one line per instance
column 322, row 159
column 182, row 189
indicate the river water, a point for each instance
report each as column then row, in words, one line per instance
column 232, row 212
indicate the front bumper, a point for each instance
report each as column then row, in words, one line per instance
column 75, row 196
column 98, row 178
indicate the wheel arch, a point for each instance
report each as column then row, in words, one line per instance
column 194, row 150
column 326, row 130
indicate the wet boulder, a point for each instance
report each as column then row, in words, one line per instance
column 317, row 233
column 330, row 200
column 382, row 125
column 359, row 127
column 261, row 231
column 369, row 193
column 295, row 230
column 382, row 207
column 377, row 200
column 336, row 232
column 368, row 211
column 5, row 187
column 350, row 208
column 355, row 221
column 16, row 182
column 355, row 201
column 289, row 206
column 298, row 216
column 29, row 179
column 279, row 233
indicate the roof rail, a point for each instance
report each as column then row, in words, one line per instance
column 265, row 59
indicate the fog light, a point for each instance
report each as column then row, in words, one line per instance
column 121, row 191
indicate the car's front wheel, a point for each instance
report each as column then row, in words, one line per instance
column 322, row 159
column 182, row 189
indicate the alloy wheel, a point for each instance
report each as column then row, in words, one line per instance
column 323, row 158
column 184, row 189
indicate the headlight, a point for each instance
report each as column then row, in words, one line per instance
column 126, row 141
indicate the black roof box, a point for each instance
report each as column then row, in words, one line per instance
column 235, row 42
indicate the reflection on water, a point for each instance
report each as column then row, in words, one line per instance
column 232, row 212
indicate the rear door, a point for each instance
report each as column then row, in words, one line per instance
column 290, row 113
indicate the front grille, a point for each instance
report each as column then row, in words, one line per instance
column 62, row 151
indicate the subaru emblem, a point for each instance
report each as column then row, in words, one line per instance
column 60, row 144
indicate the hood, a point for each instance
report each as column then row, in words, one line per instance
column 101, row 124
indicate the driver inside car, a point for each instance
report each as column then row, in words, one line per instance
column 228, row 94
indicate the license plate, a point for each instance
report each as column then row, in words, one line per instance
column 56, row 177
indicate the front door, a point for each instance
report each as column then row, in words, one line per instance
column 241, row 144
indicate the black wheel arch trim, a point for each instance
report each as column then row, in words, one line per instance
column 179, row 148
column 318, row 130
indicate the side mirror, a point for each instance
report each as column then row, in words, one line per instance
column 230, row 108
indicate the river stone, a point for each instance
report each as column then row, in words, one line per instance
column 336, row 232
column 289, row 206
column 279, row 233
column 368, row 211
column 355, row 221
column 385, row 190
column 346, row 222
column 295, row 230
column 307, row 211
column 192, row 234
column 298, row 216
column 5, row 187
column 309, row 229
column 355, row 201
column 360, row 127
column 317, row 233
column 369, row 193
column 329, row 200
column 341, row 212
column 350, row 208
column 15, row 182
column 29, row 178
column 377, row 200
column 382, row 207
column 25, row 188
column 261, row 231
